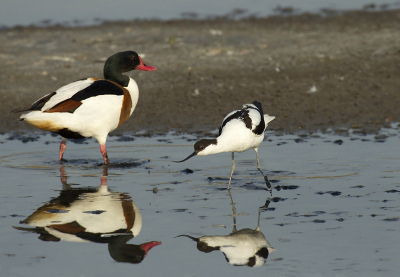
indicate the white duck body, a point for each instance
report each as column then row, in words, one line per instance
column 101, row 113
column 97, row 212
column 90, row 107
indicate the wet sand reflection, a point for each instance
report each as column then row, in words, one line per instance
column 241, row 247
column 92, row 215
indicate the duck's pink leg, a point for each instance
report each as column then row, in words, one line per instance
column 63, row 146
column 104, row 177
column 103, row 181
column 63, row 175
column 103, row 150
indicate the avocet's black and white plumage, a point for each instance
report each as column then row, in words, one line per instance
column 241, row 247
column 240, row 130
column 90, row 107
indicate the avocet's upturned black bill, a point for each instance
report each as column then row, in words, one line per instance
column 90, row 107
column 240, row 130
column 191, row 155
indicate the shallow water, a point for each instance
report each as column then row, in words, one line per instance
column 333, row 209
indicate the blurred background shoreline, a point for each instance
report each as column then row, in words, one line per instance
column 314, row 72
column 45, row 13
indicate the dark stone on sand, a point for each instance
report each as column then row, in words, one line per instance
column 286, row 187
column 187, row 171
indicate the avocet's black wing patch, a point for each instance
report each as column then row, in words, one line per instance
column 99, row 87
column 246, row 118
column 229, row 118
column 260, row 127
column 259, row 107
column 243, row 115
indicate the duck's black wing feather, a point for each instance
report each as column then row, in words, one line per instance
column 37, row 105
column 99, row 87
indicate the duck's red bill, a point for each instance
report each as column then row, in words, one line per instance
column 145, row 67
column 148, row 245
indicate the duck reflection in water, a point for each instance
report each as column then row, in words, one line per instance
column 92, row 215
column 244, row 247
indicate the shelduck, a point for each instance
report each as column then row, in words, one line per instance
column 89, row 107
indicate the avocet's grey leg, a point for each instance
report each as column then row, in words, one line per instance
column 258, row 167
column 233, row 213
column 259, row 212
column 233, row 168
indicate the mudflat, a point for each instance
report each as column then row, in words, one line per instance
column 312, row 72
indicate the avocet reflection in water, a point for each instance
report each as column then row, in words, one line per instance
column 244, row 247
column 92, row 215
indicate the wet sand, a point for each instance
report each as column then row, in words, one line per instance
column 312, row 72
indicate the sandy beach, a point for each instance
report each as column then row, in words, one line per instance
column 313, row 72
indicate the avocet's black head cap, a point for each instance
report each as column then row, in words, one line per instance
column 200, row 146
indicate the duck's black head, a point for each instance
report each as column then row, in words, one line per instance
column 123, row 62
